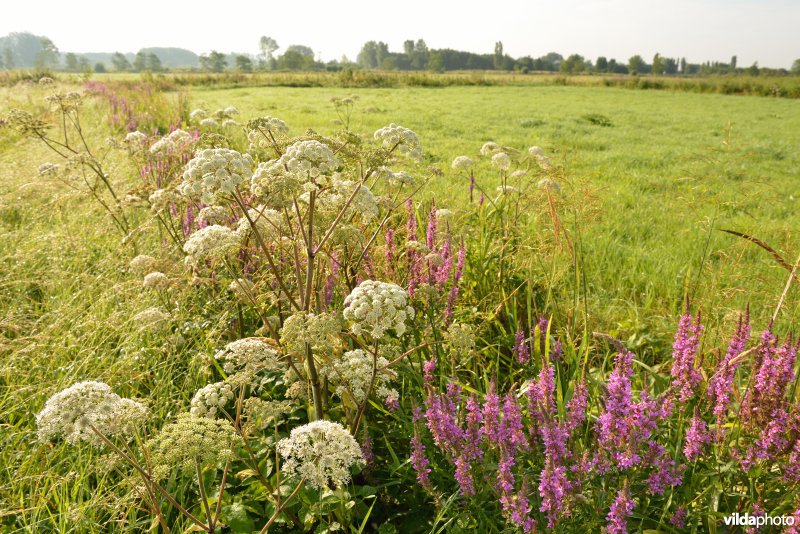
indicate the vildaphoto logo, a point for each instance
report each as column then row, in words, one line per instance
column 747, row 520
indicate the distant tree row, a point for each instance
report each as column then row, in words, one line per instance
column 25, row 50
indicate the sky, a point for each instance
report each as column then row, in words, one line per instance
column 765, row 31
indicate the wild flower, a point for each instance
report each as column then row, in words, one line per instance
column 549, row 185
column 319, row 331
column 501, row 161
column 49, row 169
column 460, row 338
column 248, row 354
column 142, row 263
column 214, row 173
column 136, row 139
column 259, row 412
column 150, row 319
column 356, row 374
column 375, row 307
column 419, row 461
column 462, row 162
column 773, row 373
column 521, row 350
column 156, row 280
column 213, row 242
column 175, row 141
column 620, row 510
column 191, row 441
column 242, row 288
column 535, row 151
column 322, row 453
column 259, row 131
column 678, row 519
column 720, row 384
column 85, row 409
column 489, row 148
column 697, row 437
column 210, row 400
column 401, row 140
column 162, row 200
column 266, row 221
column 209, row 123
column 685, row 375
column 197, row 114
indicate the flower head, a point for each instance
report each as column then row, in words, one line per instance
column 322, row 453
column 375, row 307
column 213, row 242
column 401, row 140
column 215, row 172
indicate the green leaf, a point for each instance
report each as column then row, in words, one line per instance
column 238, row 519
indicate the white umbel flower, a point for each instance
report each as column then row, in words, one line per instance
column 176, row 140
column 215, row 172
column 401, row 140
column 210, row 400
column 248, row 354
column 162, row 199
column 212, row 243
column 214, row 214
column 156, row 280
column 489, row 148
column 304, row 166
column 321, row 453
column 375, row 307
column 501, row 161
column 352, row 373
column 142, row 263
column 462, row 162
column 73, row 412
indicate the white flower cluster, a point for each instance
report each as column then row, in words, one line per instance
column 375, row 307
column 214, row 172
column 248, row 354
column 352, row 373
column 402, row 140
column 142, row 263
column 302, row 167
column 197, row 114
column 462, row 162
column 258, row 128
column 73, row 412
column 242, row 287
column 213, row 214
column 506, row 189
column 321, row 453
column 537, row 154
column 176, row 140
column 209, row 123
column 136, row 139
column 489, row 148
column 191, row 440
column 150, row 318
column 363, row 204
column 156, row 280
column 162, row 199
column 213, row 242
column 501, row 161
column 259, row 412
column 210, row 400
column 321, row 332
column 460, row 337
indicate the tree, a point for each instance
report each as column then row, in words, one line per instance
column 71, row 62
column 48, row 56
column 658, row 64
column 435, row 62
column 683, row 65
column 120, row 62
column 268, row 46
column 574, row 63
column 421, row 56
column 601, row 65
column 140, row 61
column 153, row 63
column 368, row 56
column 100, row 67
column 796, row 67
column 670, row 65
column 498, row 54
column 214, row 61
column 733, row 62
column 636, row 65
column 302, row 50
column 244, row 63
column 8, row 58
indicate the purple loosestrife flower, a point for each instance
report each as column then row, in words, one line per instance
column 430, row 234
column 428, row 368
column 541, row 395
column 521, row 350
column 576, row 407
column 791, row 471
column 463, row 476
column 775, row 371
column 719, row 385
column 471, row 185
column 491, row 417
column 678, row 519
column 553, row 489
column 517, row 509
column 685, row 377
column 697, row 437
column 442, row 419
column 665, row 473
column 330, row 283
column 505, row 478
column 620, row 510
column 366, row 449
column 451, row 299
column 390, row 251
column 511, row 427
column 442, row 272
column 473, row 436
column 419, row 461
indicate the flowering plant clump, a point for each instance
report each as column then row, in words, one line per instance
column 399, row 139
column 375, row 307
column 321, row 453
column 213, row 242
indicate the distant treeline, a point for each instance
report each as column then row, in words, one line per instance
column 25, row 50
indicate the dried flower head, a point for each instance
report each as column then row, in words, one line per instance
column 150, row 319
column 321, row 453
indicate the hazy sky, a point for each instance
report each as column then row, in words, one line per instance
column 766, row 31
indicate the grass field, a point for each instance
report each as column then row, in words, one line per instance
column 651, row 178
